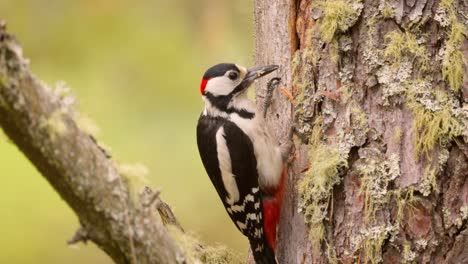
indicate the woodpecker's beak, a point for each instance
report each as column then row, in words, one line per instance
column 255, row 73
column 259, row 71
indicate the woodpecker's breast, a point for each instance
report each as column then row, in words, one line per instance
column 266, row 147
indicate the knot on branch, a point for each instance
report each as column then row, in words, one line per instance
column 150, row 199
column 81, row 235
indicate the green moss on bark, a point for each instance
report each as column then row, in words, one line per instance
column 54, row 125
column 434, row 121
column 452, row 60
column 387, row 10
column 135, row 175
column 452, row 57
column 373, row 242
column 401, row 45
column 437, row 121
column 376, row 173
column 338, row 15
column 315, row 189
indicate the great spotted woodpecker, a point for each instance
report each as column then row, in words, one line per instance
column 242, row 158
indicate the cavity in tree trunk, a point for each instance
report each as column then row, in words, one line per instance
column 380, row 100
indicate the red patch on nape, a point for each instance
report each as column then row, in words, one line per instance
column 203, row 85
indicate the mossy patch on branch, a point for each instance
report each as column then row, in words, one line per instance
column 135, row 175
column 196, row 253
column 87, row 124
column 54, row 125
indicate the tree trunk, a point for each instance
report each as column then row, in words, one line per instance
column 380, row 104
column 43, row 125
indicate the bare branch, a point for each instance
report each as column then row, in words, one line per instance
column 42, row 125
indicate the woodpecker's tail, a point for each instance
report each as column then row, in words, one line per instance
column 271, row 211
column 263, row 249
column 262, row 252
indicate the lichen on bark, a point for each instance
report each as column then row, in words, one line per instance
column 452, row 57
column 384, row 103
column 325, row 164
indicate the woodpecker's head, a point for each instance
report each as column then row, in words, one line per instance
column 226, row 80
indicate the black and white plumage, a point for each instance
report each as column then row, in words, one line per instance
column 239, row 154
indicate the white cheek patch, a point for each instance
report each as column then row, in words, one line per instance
column 221, row 85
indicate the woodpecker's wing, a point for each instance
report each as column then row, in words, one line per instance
column 206, row 141
column 229, row 159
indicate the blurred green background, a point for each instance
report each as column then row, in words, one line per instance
column 135, row 68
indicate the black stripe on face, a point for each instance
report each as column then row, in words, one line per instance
column 219, row 70
column 221, row 102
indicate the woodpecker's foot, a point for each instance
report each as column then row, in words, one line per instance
column 287, row 146
column 272, row 84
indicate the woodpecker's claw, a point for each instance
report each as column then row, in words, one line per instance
column 269, row 94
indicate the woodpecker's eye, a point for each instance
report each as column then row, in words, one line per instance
column 233, row 75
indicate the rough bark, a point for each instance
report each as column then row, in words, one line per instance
column 42, row 124
column 275, row 43
column 380, row 101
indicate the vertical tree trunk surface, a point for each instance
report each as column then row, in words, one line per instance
column 380, row 102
